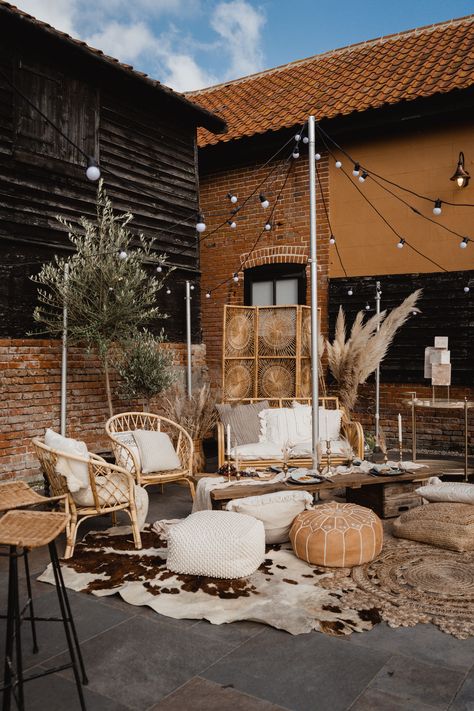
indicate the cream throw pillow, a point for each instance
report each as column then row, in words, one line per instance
column 455, row 491
column 157, row 453
column 276, row 511
column 329, row 421
column 75, row 473
column 123, row 460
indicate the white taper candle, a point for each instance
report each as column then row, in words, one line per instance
column 399, row 427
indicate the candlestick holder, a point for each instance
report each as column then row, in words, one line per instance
column 400, row 446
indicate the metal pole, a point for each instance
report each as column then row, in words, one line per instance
column 64, row 360
column 378, row 294
column 314, row 295
column 188, row 339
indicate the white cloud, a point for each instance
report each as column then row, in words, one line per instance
column 184, row 74
column 125, row 42
column 57, row 13
column 240, row 25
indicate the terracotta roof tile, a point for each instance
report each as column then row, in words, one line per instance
column 417, row 63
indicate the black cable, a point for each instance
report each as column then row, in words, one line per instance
column 328, row 220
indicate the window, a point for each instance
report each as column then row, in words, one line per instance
column 275, row 285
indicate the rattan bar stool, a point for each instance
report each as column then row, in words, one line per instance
column 33, row 529
column 15, row 495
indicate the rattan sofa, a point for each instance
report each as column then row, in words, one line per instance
column 351, row 430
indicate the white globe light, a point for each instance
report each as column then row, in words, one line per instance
column 208, row 295
column 401, row 244
column 236, row 277
column 159, row 269
column 200, row 227
column 93, row 173
column 123, row 254
column 168, row 291
column 297, row 137
column 367, row 307
column 192, row 287
column 349, row 292
column 466, row 289
column 317, row 156
column 268, row 226
column 305, row 139
column 233, row 199
column 263, row 201
column 463, row 244
column 356, row 170
column 437, row 208
column 296, row 153
column 338, row 164
column 332, row 240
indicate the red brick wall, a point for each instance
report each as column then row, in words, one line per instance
column 30, row 381
column 288, row 241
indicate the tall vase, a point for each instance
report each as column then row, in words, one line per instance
column 199, row 460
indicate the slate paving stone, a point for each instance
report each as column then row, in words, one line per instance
column 55, row 693
column 90, row 617
column 298, row 671
column 141, row 660
column 424, row 642
column 375, row 700
column 417, row 682
column 233, row 633
column 204, row 695
column 464, row 700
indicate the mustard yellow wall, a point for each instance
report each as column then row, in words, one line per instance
column 423, row 161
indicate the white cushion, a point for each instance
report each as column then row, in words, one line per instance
column 455, row 491
column 76, row 473
column 258, row 450
column 276, row 511
column 128, row 439
column 218, row 544
column 284, row 425
column 85, row 497
column 305, row 449
column 329, row 421
column 157, row 453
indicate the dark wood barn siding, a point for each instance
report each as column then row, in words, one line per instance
column 146, row 151
column 445, row 311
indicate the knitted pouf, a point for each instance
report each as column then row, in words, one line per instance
column 217, row 544
column 337, row 535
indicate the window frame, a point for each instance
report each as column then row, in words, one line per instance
column 275, row 272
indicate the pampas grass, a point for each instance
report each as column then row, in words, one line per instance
column 196, row 414
column 352, row 360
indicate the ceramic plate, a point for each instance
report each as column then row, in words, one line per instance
column 303, row 477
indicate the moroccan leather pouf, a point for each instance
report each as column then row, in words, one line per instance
column 337, row 535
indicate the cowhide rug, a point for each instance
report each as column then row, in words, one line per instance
column 284, row 592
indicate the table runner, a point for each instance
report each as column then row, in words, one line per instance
column 202, row 499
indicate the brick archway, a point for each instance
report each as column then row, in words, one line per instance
column 278, row 254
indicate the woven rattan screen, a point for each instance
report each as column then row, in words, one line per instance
column 266, row 352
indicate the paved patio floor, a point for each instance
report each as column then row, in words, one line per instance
column 138, row 659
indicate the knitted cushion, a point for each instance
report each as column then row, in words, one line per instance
column 218, row 544
column 243, row 420
column 447, row 525
column 276, row 511
column 337, row 535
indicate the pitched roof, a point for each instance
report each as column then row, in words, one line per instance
column 418, row 63
column 204, row 116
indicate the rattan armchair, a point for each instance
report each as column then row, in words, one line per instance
column 112, row 489
column 182, row 442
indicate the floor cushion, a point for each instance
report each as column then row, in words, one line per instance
column 337, row 535
column 276, row 511
column 455, row 491
column 447, row 525
column 217, row 544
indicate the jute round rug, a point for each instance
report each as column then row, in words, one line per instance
column 413, row 582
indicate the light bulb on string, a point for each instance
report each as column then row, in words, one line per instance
column 122, row 254
column 350, row 291
column 235, row 277
column 233, row 198
column 296, row 152
column 305, row 139
column 232, row 224
column 168, row 290
column 92, row 170
column 191, row 286
column 363, row 176
column 297, row 138
column 208, row 294
column 401, row 244
column 332, row 240
column 200, row 224
column 268, row 226
column 466, row 289
column 464, row 243
column 263, row 201
column 413, row 313
column 356, row 169
column 159, row 268
column 317, row 156
column 367, row 306
column 437, row 207
column 338, row 164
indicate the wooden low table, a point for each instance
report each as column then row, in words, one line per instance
column 388, row 496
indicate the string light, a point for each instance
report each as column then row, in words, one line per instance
column 363, row 177
column 332, row 240
column 317, row 156
column 401, row 244
column 200, row 225
column 296, row 152
column 232, row 224
column 159, row 269
column 466, row 290
column 235, row 277
column 92, row 170
column 305, row 139
column 168, row 290
column 356, row 169
column 233, row 198
column 437, row 207
column 191, row 286
column 208, row 294
column 338, row 164
column 350, row 291
column 464, row 243
column 122, row 254
column 263, row 201
column 367, row 306
column 298, row 138
column 268, row 226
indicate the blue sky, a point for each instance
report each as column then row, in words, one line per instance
column 189, row 44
